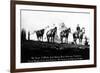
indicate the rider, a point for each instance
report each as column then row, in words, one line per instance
column 78, row 28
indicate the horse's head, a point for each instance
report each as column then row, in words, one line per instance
column 82, row 30
column 69, row 30
column 55, row 28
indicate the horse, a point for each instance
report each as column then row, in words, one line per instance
column 39, row 34
column 75, row 36
column 78, row 35
column 51, row 34
column 81, row 36
column 64, row 34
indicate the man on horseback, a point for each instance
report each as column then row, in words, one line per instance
column 78, row 34
column 78, row 29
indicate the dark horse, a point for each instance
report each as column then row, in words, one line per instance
column 51, row 34
column 75, row 36
column 79, row 36
column 64, row 34
column 39, row 34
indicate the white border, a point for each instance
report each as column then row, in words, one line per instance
column 58, row 63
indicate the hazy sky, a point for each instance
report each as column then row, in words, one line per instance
column 34, row 20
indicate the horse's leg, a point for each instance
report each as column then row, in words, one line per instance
column 50, row 39
column 61, row 39
column 38, row 38
column 79, row 41
column 75, row 40
column 42, row 38
column 53, row 39
column 47, row 38
column 67, row 40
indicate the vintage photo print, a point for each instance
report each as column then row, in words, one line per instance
column 48, row 36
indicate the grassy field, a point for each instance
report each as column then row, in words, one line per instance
column 36, row 51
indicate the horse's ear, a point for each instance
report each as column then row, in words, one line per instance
column 55, row 27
